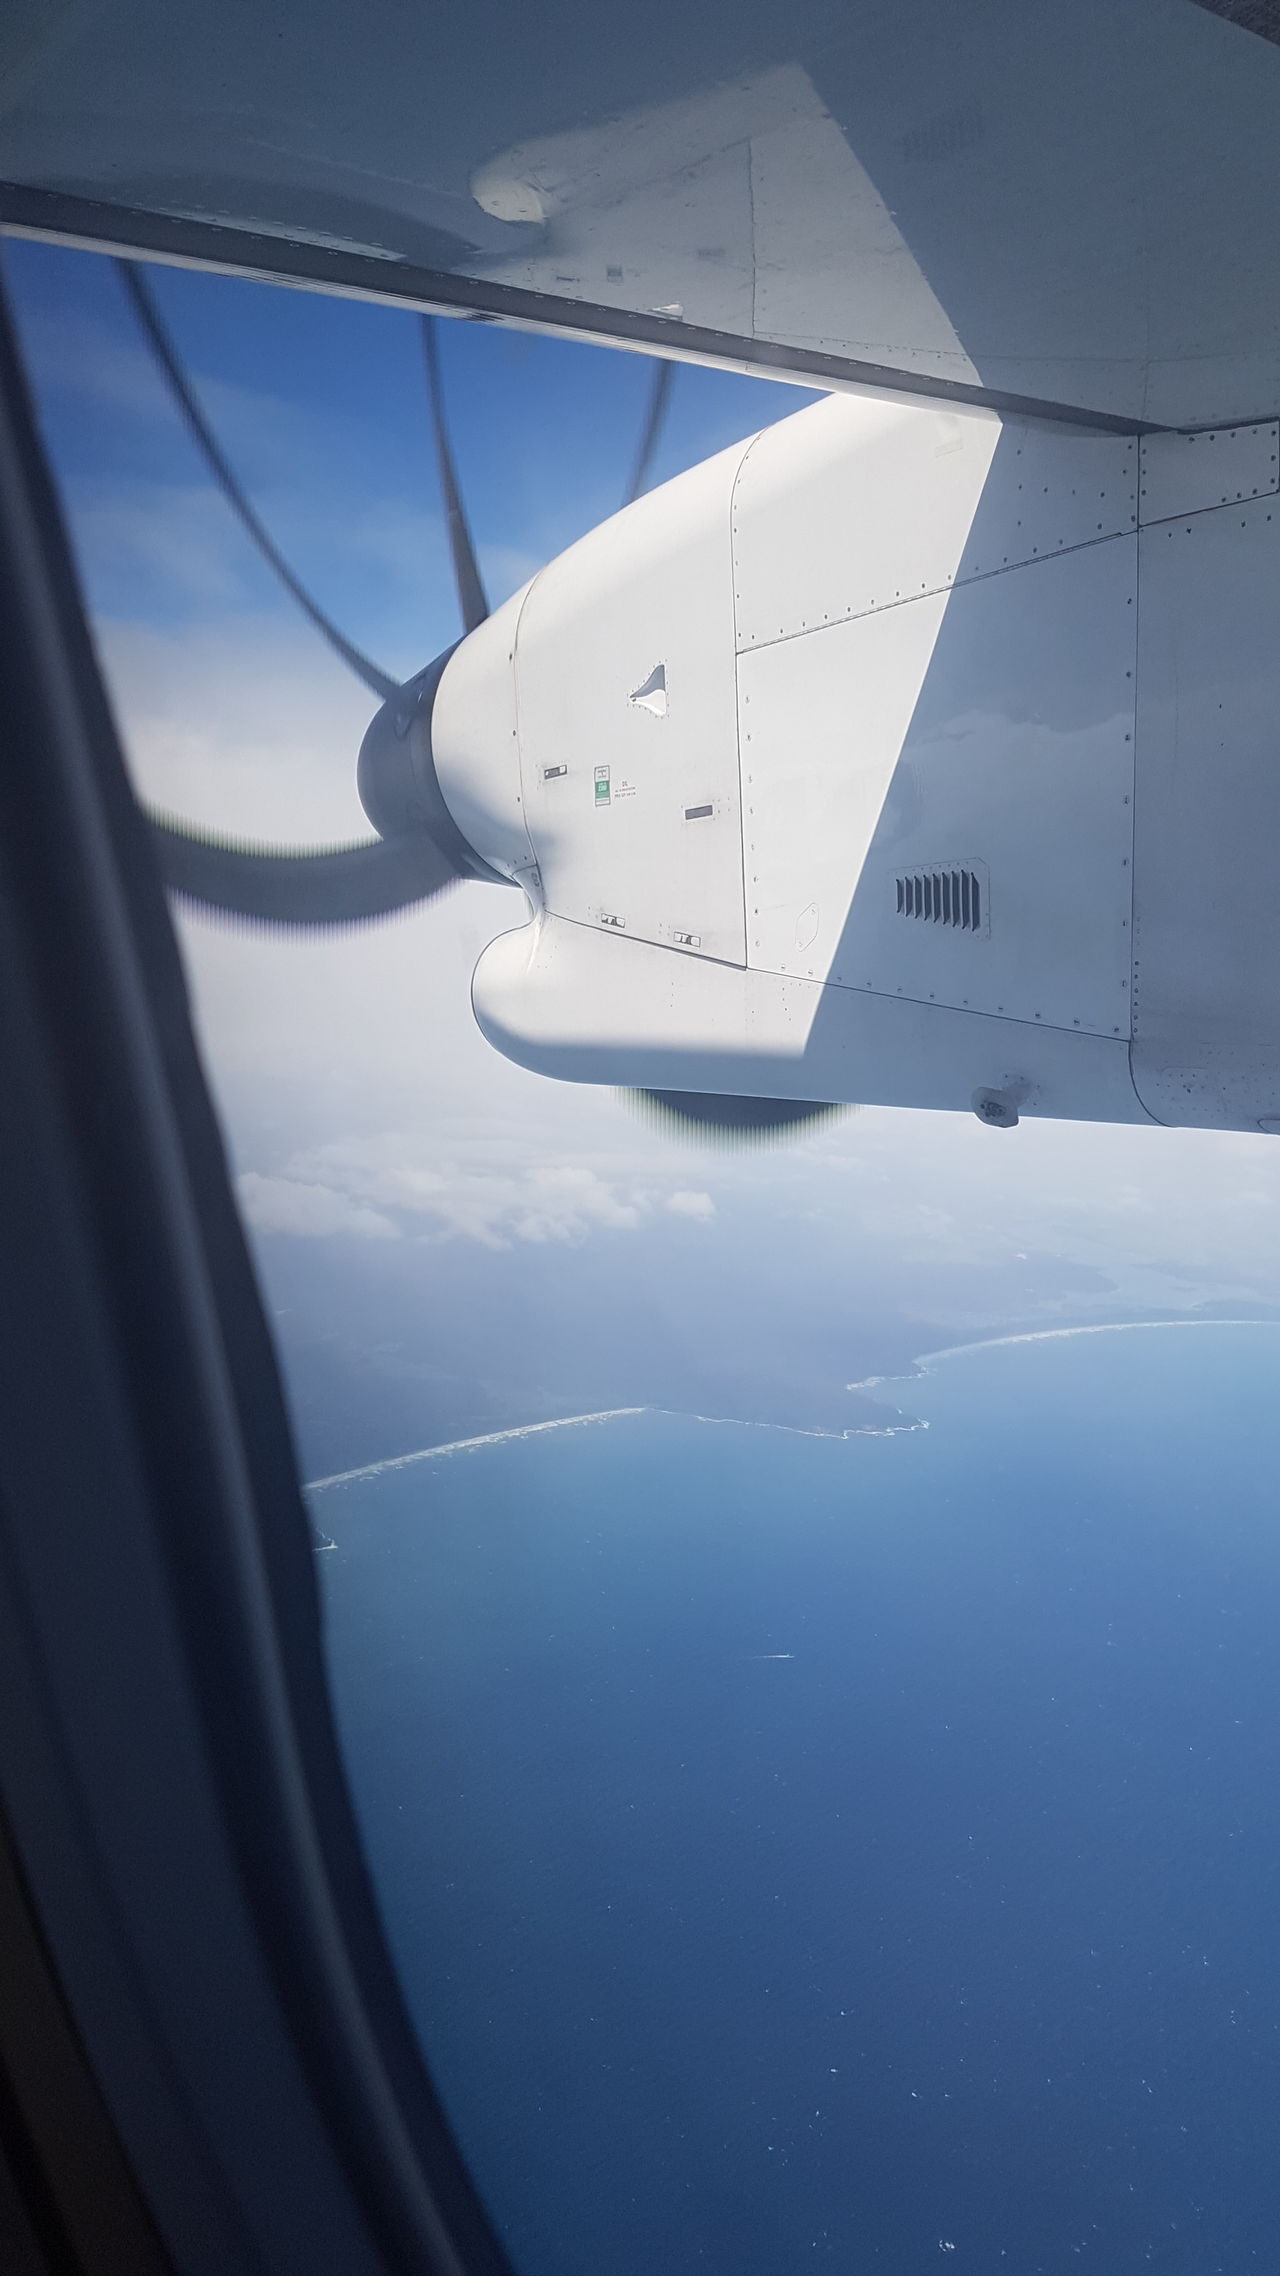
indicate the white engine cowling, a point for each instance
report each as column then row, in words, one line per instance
column 854, row 764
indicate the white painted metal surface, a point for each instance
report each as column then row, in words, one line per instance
column 996, row 818
column 989, row 731
column 868, row 501
column 1207, row 839
column 823, row 720
column 628, row 726
column 1073, row 204
column 473, row 741
column 1190, row 474
column 559, row 999
column 695, row 205
column 805, row 164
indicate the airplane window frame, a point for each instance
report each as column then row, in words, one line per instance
column 169, row 1772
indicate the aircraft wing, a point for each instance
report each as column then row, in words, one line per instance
column 1058, row 206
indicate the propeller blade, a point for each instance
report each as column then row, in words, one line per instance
column 663, row 376
column 166, row 355
column 472, row 600
column 336, row 885
column 722, row 1120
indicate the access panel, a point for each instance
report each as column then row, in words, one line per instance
column 627, row 722
column 938, row 797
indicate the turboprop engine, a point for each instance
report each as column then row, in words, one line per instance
column 906, row 754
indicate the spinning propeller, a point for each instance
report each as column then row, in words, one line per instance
column 418, row 851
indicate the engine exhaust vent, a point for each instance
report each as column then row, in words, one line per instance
column 943, row 897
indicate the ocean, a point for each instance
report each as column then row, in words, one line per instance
column 858, row 1853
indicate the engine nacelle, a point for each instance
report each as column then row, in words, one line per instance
column 905, row 753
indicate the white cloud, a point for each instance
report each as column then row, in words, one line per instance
column 247, row 726
column 697, row 1205
column 495, row 1191
column 313, row 1212
column 563, row 1202
column 445, row 1197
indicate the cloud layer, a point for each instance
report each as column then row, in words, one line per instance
column 392, row 1186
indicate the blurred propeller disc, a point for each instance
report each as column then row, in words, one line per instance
column 659, row 403
column 156, row 334
column 334, row 885
column 472, row 598
column 715, row 1119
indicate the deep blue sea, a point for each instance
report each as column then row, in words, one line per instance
column 805, row 1853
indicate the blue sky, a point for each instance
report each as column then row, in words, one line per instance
column 448, row 1242
column 321, row 404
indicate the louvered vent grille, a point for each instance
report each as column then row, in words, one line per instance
column 942, row 897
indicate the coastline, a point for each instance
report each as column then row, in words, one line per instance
column 926, row 1361
column 465, row 1446
column 897, row 1422
column 889, row 1429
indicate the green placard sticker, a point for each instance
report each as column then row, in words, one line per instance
column 602, row 786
